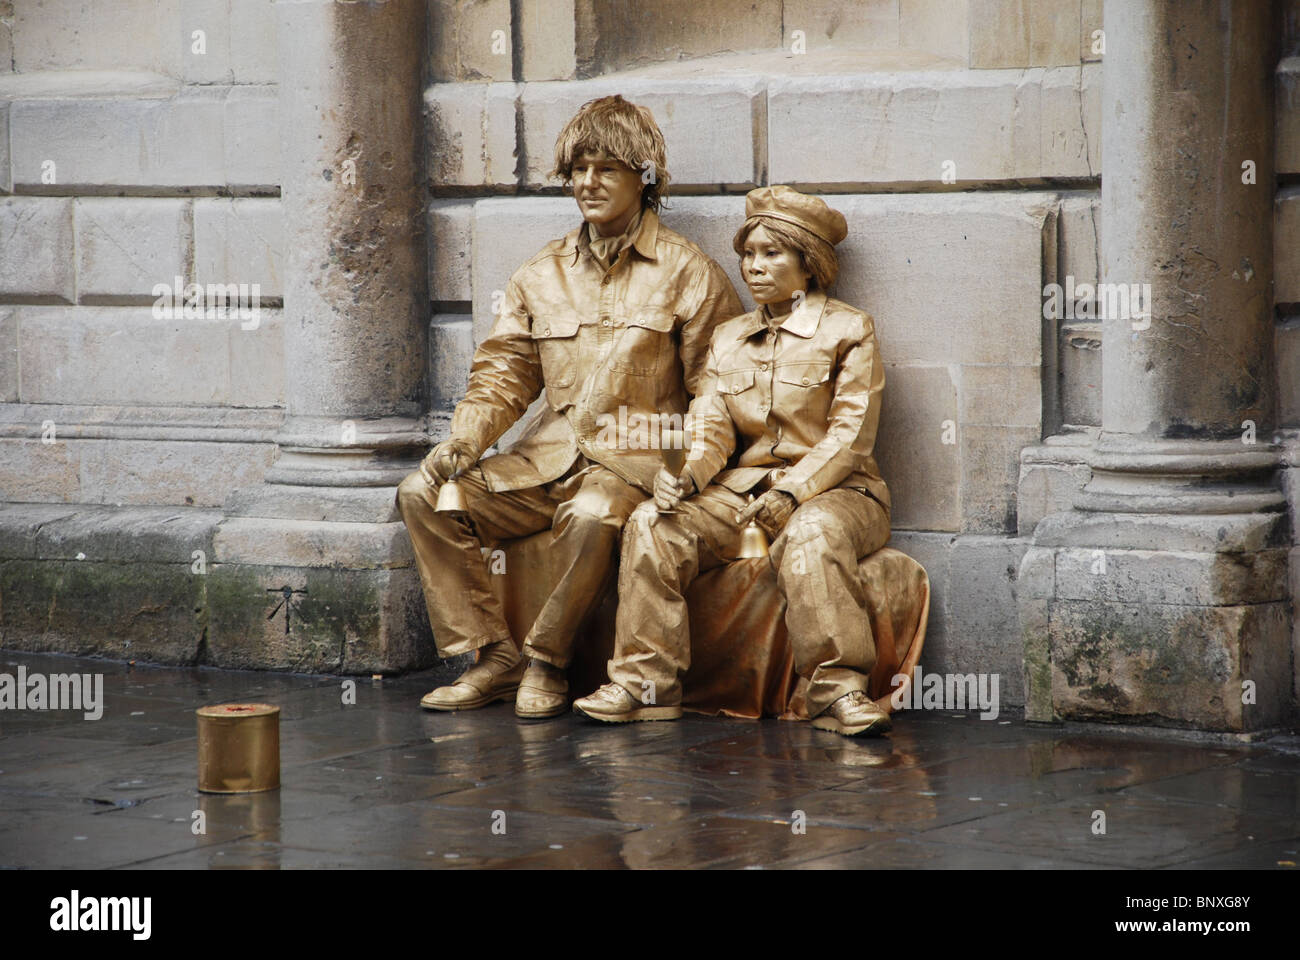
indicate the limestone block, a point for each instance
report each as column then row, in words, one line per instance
column 1078, row 238
column 1024, row 33
column 710, row 125
column 134, row 535
column 126, row 355
column 506, row 234
column 1287, row 148
column 252, row 137
column 1286, row 339
column 1172, row 577
column 547, row 34
column 471, row 130
column 990, row 469
column 470, row 40
column 982, row 599
column 311, row 543
column 711, row 222
column 257, row 361
column 6, row 172
column 21, row 524
column 904, row 127
column 6, row 37
column 922, row 471
column 253, row 54
column 36, row 472
column 57, row 35
column 451, row 350
column 1286, row 246
column 1046, row 487
column 933, row 551
column 8, row 356
column 1001, row 395
column 204, row 41
column 125, row 245
column 451, row 236
column 1090, row 21
column 341, row 621
column 1080, row 373
column 37, row 264
column 614, row 35
column 1176, row 664
column 133, row 142
column 870, row 25
column 949, row 279
column 936, row 26
column 240, row 240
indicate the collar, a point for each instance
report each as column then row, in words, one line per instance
column 645, row 242
column 802, row 322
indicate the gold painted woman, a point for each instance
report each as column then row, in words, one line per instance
column 792, row 400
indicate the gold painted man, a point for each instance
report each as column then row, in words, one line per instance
column 613, row 321
column 793, row 388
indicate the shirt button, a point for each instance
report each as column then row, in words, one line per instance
column 604, row 322
column 762, row 366
column 805, row 381
column 546, row 331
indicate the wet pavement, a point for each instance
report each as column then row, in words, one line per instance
column 380, row 783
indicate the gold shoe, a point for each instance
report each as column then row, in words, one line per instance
column 613, row 704
column 543, row 692
column 483, row 683
column 853, row 714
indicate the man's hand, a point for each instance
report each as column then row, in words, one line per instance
column 770, row 512
column 447, row 458
column 671, row 490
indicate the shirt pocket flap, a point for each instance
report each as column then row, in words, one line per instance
column 549, row 328
column 735, row 382
column 652, row 318
column 804, row 374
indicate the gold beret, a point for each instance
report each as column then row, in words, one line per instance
column 785, row 203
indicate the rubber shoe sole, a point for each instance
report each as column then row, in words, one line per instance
column 631, row 716
column 870, row 728
column 507, row 694
column 542, row 714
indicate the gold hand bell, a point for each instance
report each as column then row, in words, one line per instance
column 753, row 541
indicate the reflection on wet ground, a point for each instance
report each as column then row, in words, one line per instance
column 380, row 783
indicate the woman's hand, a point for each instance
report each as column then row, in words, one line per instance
column 770, row 512
column 671, row 489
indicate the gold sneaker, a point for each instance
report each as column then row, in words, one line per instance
column 852, row 715
column 613, row 704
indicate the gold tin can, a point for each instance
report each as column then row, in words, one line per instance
column 239, row 748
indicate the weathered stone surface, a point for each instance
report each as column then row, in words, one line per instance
column 933, row 551
column 32, row 471
column 1001, row 395
column 990, row 469
column 612, row 35
column 21, row 523
column 306, row 543
column 1174, row 665
column 41, row 266
column 922, row 471
column 1079, row 350
column 506, row 234
column 548, row 37
column 451, row 350
column 907, row 126
column 122, row 535
column 240, row 240
column 6, row 172
column 471, row 134
column 938, row 26
column 1024, row 33
column 1049, row 479
column 1078, row 235
column 343, row 621
column 1286, row 245
column 126, row 245
column 337, row 504
column 54, row 35
column 257, row 361
column 870, row 24
column 253, row 52
column 1286, row 340
column 451, row 236
column 252, row 137
column 1288, row 115
column 711, row 126
column 239, row 41
column 125, row 355
column 1172, row 577
column 470, row 40
column 981, row 597
column 1090, row 21
column 8, row 356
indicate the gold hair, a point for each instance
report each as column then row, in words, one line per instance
column 622, row 130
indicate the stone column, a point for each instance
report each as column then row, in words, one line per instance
column 355, row 317
column 1162, row 597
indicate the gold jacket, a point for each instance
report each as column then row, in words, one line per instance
column 613, row 350
column 804, row 403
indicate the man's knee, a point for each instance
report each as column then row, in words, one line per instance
column 411, row 492
column 591, row 513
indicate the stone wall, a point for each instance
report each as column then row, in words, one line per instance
column 961, row 138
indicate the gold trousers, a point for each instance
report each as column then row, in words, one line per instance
column 816, row 562
column 585, row 509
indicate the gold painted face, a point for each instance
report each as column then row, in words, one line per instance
column 772, row 270
column 608, row 192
